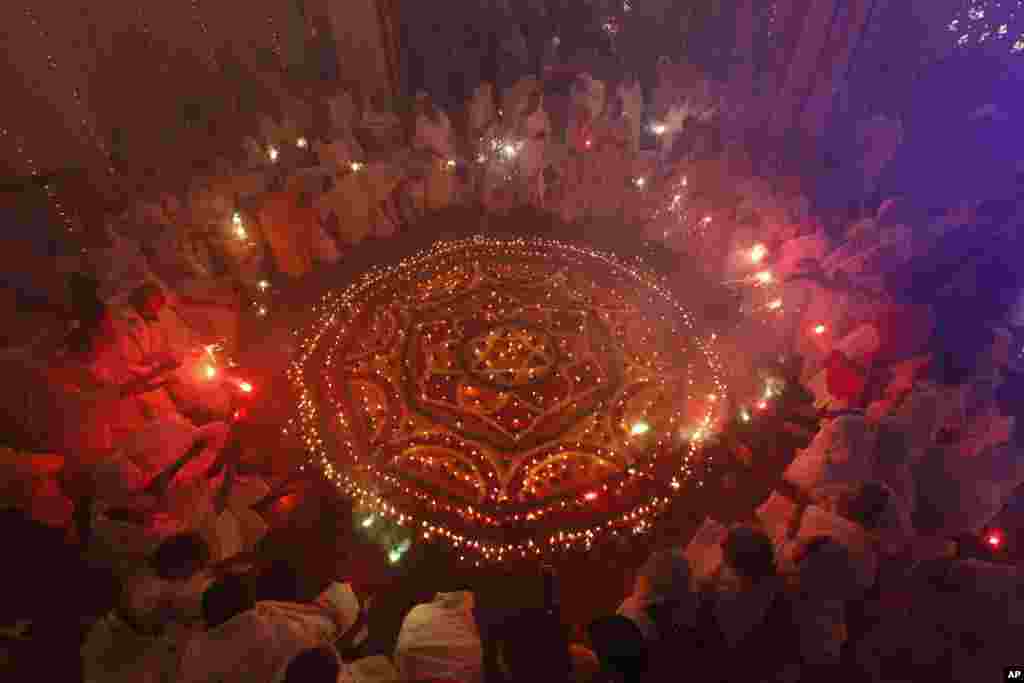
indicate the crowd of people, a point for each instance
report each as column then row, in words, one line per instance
column 847, row 569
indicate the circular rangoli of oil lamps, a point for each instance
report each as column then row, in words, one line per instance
column 509, row 397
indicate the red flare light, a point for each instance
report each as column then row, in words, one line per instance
column 819, row 329
column 994, row 539
column 245, row 387
column 590, row 496
column 239, row 414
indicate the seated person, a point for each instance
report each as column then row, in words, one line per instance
column 620, row 649
column 746, row 617
column 533, row 646
column 322, row 665
column 662, row 599
column 281, row 583
column 168, row 478
column 866, row 519
column 131, row 342
column 174, row 579
column 874, row 508
column 139, row 639
column 250, row 639
column 441, row 640
column 317, row 665
column 145, row 332
column 827, row 581
column 746, row 584
column 159, row 483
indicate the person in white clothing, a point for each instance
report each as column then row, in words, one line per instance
column 440, row 640
column 482, row 112
column 535, row 133
column 434, row 130
column 662, row 582
column 255, row 641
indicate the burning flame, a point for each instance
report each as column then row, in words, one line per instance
column 757, row 253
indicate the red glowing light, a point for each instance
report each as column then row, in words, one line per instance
column 819, row 329
column 762, row 405
column 590, row 496
column 245, row 386
column 239, row 414
column 994, row 539
column 210, row 372
column 588, row 142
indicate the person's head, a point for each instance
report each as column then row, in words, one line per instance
column 226, row 598
column 750, row 553
column 180, row 557
column 279, row 582
column 869, row 505
column 665, row 573
column 319, row 665
column 533, row 645
column 620, row 647
column 937, row 574
column 84, row 289
column 826, row 569
column 149, row 299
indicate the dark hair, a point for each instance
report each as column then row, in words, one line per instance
column 826, row 568
column 87, row 308
column 144, row 293
column 619, row 646
column 534, row 645
column 226, row 598
column 868, row 506
column 818, row 544
column 180, row 557
column 319, row 665
column 279, row 582
column 937, row 574
column 750, row 552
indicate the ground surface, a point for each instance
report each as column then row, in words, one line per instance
column 591, row 582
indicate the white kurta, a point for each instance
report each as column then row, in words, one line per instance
column 436, row 136
column 441, row 640
column 119, row 482
column 482, row 111
column 533, row 155
column 259, row 644
column 113, row 653
column 632, row 98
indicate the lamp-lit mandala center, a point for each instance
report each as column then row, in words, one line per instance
column 503, row 391
column 511, row 356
